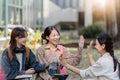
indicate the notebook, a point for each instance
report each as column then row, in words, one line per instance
column 23, row 76
column 60, row 76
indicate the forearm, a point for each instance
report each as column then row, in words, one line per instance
column 74, row 59
column 73, row 69
column 91, row 59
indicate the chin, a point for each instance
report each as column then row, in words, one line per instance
column 55, row 43
column 23, row 44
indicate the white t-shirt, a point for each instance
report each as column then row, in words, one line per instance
column 19, row 57
column 103, row 69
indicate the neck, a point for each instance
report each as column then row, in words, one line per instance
column 103, row 52
column 19, row 46
column 52, row 45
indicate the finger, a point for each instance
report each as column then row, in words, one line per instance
column 91, row 43
column 81, row 41
column 81, row 37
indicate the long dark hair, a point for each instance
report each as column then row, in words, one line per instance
column 16, row 32
column 108, row 41
column 47, row 32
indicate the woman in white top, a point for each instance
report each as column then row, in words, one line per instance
column 105, row 68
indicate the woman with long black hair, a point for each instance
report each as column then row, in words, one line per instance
column 105, row 68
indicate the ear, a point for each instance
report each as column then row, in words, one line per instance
column 103, row 46
column 47, row 37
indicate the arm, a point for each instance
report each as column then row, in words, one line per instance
column 74, row 59
column 89, row 55
column 73, row 69
column 10, row 71
column 68, row 66
column 34, row 63
column 98, row 69
column 40, row 56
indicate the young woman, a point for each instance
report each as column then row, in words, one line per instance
column 105, row 68
column 18, row 59
column 49, row 53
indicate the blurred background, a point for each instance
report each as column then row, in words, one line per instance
column 72, row 17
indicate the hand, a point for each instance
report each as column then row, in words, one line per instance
column 81, row 42
column 89, row 47
column 30, row 71
column 63, row 60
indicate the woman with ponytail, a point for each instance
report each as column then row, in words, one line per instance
column 105, row 68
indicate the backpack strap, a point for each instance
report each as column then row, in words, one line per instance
column 10, row 55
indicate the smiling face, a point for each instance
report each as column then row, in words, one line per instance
column 100, row 48
column 21, row 40
column 54, row 37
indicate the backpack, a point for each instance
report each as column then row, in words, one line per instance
column 27, row 53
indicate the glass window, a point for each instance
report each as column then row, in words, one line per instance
column 3, row 12
column 0, row 12
column 67, row 3
column 74, row 3
column 20, row 2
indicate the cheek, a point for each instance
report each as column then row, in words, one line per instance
column 59, row 37
column 23, row 40
column 97, row 48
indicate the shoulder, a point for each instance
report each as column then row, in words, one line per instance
column 105, row 61
column 40, row 50
column 5, row 52
column 42, row 47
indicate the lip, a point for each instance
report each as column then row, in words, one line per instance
column 56, row 40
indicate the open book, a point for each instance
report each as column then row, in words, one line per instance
column 23, row 76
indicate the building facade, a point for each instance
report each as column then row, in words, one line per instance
column 20, row 12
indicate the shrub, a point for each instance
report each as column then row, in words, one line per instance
column 91, row 31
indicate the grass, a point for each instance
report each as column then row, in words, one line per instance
column 84, row 62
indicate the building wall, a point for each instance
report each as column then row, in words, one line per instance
column 57, row 11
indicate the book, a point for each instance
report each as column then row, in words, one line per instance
column 60, row 76
column 23, row 76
